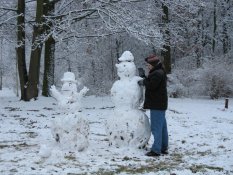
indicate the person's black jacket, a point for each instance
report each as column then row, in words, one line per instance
column 156, row 89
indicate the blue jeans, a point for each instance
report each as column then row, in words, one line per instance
column 159, row 130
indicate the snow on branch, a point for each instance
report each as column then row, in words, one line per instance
column 10, row 18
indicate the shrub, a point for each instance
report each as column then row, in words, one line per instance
column 217, row 78
column 175, row 88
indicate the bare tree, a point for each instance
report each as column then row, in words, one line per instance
column 166, row 52
column 226, row 7
column 1, row 62
column 49, row 54
column 20, row 49
column 214, row 26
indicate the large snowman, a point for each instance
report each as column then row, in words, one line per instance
column 129, row 126
column 69, row 129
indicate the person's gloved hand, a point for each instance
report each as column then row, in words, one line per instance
column 140, row 82
column 141, row 72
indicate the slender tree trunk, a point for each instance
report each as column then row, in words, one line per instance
column 215, row 27
column 17, row 75
column 203, row 28
column 118, row 48
column 113, row 76
column 48, row 79
column 166, row 52
column 34, row 68
column 225, row 10
column 93, row 74
column 225, row 39
column 198, row 40
column 20, row 49
column 1, row 68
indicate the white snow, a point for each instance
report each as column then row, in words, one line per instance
column 200, row 140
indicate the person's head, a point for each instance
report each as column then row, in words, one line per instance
column 152, row 61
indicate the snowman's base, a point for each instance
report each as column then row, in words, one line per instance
column 70, row 132
column 128, row 128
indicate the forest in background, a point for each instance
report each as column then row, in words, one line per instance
column 42, row 39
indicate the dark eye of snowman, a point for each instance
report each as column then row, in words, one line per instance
column 124, row 65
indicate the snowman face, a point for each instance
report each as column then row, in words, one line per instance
column 68, row 87
column 126, row 69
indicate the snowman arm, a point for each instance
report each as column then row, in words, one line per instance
column 54, row 93
column 137, row 78
column 113, row 90
column 83, row 91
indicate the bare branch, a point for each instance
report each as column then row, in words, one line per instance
column 12, row 17
column 8, row 9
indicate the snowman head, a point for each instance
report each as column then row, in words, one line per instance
column 127, row 56
column 126, row 68
column 69, row 83
column 69, row 77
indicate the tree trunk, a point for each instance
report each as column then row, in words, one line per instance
column 34, row 68
column 20, row 49
column 225, row 10
column 1, row 67
column 215, row 27
column 166, row 52
column 203, row 28
column 198, row 40
column 48, row 79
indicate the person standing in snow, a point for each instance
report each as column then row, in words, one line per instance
column 156, row 100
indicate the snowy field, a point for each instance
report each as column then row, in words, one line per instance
column 200, row 136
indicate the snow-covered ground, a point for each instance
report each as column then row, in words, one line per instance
column 200, row 136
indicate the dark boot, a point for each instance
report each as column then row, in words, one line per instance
column 164, row 151
column 152, row 154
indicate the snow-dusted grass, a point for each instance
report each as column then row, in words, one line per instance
column 200, row 130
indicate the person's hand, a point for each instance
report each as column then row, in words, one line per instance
column 141, row 72
column 140, row 82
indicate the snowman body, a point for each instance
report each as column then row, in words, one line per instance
column 128, row 126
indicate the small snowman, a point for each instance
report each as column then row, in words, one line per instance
column 129, row 126
column 70, row 130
